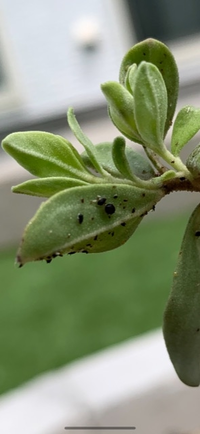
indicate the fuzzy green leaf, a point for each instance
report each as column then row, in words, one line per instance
column 150, row 105
column 76, row 220
column 186, row 125
column 84, row 140
column 45, row 155
column 120, row 158
column 130, row 78
column 121, row 109
column 181, row 326
column 155, row 52
column 139, row 165
column 46, row 187
column 193, row 162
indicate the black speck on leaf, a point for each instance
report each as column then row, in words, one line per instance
column 80, row 218
column 101, row 201
column 109, row 209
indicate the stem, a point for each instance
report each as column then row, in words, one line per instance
column 155, row 160
column 176, row 163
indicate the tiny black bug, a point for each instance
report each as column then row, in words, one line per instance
column 109, row 208
column 197, row 233
column 80, row 218
column 101, row 201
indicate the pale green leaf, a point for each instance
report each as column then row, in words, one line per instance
column 153, row 51
column 130, row 78
column 46, row 187
column 45, row 155
column 181, row 326
column 120, row 158
column 139, row 165
column 84, row 140
column 193, row 162
column 88, row 219
column 121, row 109
column 150, row 105
column 186, row 125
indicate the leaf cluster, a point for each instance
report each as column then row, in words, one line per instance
column 96, row 200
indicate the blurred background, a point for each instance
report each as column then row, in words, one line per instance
column 55, row 54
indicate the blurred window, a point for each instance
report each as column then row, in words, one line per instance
column 166, row 20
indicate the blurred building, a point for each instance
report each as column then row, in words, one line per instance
column 54, row 54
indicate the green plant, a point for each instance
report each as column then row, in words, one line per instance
column 97, row 200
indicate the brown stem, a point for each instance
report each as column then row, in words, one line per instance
column 181, row 184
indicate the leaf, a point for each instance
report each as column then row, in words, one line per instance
column 45, row 155
column 181, row 325
column 155, row 52
column 120, row 159
column 130, row 78
column 83, row 139
column 88, row 219
column 46, row 187
column 150, row 106
column 121, row 109
column 186, row 125
column 193, row 162
column 139, row 165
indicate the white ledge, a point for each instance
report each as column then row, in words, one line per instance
column 87, row 387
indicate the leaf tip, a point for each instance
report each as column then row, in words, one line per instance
column 18, row 261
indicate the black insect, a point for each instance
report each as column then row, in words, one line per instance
column 80, row 218
column 101, row 201
column 110, row 209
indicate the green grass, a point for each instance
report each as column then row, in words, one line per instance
column 53, row 314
